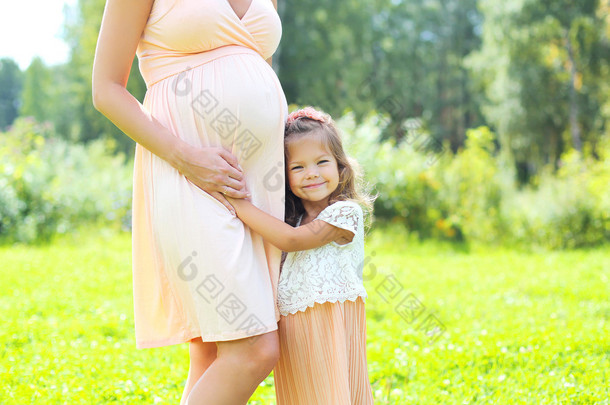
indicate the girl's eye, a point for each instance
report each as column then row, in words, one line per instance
column 296, row 167
column 323, row 161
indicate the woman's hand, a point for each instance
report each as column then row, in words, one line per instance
column 215, row 171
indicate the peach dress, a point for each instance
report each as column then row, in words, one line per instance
column 198, row 270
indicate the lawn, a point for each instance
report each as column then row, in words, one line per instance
column 446, row 325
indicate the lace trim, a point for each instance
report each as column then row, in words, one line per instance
column 302, row 307
column 342, row 214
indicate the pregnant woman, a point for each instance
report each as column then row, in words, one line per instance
column 211, row 125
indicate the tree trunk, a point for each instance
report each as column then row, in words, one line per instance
column 574, row 127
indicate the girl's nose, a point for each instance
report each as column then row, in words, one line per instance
column 312, row 172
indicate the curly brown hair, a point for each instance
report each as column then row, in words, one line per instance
column 351, row 185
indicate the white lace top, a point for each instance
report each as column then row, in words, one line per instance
column 329, row 273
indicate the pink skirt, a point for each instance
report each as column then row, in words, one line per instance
column 323, row 356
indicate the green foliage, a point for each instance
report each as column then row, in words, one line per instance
column 535, row 71
column 518, row 326
column 11, row 81
column 473, row 196
column 81, row 121
column 35, row 97
column 319, row 60
column 471, row 189
column 404, row 59
column 568, row 210
column 407, row 192
column 540, row 67
column 48, row 186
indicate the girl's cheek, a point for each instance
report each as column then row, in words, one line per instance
column 292, row 178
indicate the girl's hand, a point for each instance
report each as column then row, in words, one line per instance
column 238, row 204
column 215, row 171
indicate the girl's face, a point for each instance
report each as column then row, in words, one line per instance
column 312, row 169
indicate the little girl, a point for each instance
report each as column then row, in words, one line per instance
column 322, row 328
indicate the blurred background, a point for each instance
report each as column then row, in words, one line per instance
column 483, row 125
column 475, row 120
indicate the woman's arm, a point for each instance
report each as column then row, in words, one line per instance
column 211, row 169
column 284, row 236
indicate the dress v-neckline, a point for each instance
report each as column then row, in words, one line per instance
column 235, row 14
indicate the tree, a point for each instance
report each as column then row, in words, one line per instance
column 82, row 28
column 10, row 91
column 325, row 53
column 35, row 97
column 401, row 58
column 540, row 67
column 419, row 48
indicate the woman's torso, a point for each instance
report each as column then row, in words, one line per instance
column 178, row 34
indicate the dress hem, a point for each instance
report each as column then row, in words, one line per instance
column 208, row 338
column 304, row 306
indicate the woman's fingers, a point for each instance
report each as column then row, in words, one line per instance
column 234, row 170
column 216, row 171
column 239, row 191
column 234, row 188
column 235, row 185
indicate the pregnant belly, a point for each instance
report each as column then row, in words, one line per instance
column 235, row 101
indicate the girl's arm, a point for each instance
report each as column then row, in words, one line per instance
column 122, row 26
column 284, row 236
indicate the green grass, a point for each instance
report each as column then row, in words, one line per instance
column 519, row 327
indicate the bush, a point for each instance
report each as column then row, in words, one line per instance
column 472, row 188
column 564, row 210
column 49, row 186
column 408, row 192
column 473, row 195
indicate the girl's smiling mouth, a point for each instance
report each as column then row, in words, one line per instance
column 314, row 185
